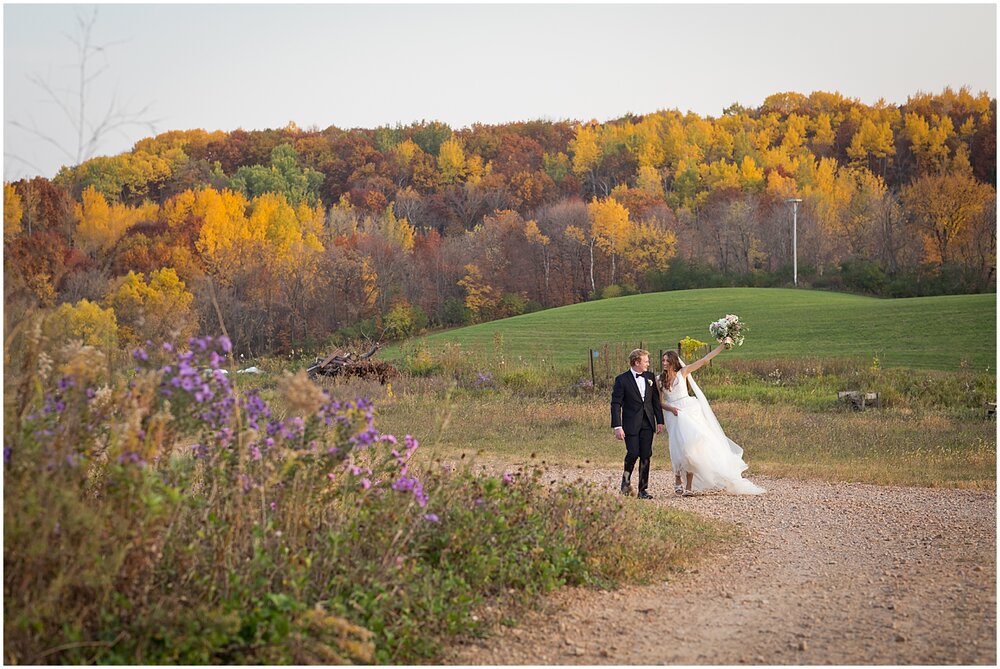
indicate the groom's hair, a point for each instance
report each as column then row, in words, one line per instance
column 634, row 356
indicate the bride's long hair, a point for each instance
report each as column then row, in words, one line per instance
column 670, row 370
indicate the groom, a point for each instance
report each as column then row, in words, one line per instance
column 635, row 415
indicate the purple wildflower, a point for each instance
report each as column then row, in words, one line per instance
column 130, row 457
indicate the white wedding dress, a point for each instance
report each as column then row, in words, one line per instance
column 699, row 446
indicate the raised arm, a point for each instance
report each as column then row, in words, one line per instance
column 698, row 364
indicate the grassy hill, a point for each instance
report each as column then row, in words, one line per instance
column 922, row 332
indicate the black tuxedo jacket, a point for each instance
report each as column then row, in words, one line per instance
column 628, row 407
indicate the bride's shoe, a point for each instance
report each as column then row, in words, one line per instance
column 678, row 489
column 688, row 493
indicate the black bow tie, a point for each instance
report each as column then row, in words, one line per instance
column 639, row 376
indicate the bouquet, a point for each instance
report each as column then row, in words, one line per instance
column 731, row 327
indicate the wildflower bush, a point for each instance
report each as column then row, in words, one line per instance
column 692, row 349
column 167, row 518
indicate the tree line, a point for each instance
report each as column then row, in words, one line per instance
column 290, row 236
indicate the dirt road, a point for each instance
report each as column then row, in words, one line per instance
column 827, row 573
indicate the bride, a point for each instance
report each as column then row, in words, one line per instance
column 698, row 446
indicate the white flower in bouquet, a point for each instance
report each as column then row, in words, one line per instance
column 730, row 326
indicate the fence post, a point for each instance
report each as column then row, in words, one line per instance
column 607, row 363
column 593, row 381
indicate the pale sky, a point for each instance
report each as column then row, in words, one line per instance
column 255, row 66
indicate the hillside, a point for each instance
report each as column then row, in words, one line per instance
column 923, row 333
column 297, row 237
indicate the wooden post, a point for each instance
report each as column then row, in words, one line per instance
column 593, row 381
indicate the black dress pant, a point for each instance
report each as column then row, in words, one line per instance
column 640, row 447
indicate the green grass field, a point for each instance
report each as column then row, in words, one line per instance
column 921, row 333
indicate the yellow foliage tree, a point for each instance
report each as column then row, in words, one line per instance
column 311, row 224
column 13, row 210
column 475, row 170
column 343, row 218
column 100, row 225
column 177, row 209
column 406, row 151
column 823, row 134
column 224, row 222
column 828, row 194
column 751, row 176
column 721, row 175
column 872, row 140
column 795, row 132
column 397, row 230
column 609, row 226
column 648, row 179
column 273, row 219
column 943, row 208
column 451, row 161
column 161, row 307
column 585, row 149
column 481, row 299
column 649, row 247
column 781, row 187
column 85, row 321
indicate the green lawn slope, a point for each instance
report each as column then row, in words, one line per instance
column 922, row 332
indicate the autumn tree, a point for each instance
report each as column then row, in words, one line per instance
column 101, row 225
column 159, row 308
column 480, row 297
column 85, row 321
column 609, row 227
column 452, row 162
column 13, row 210
column 942, row 209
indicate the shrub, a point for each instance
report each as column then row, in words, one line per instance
column 307, row 539
column 863, row 275
column 614, row 290
column 399, row 322
column 521, row 379
column 421, row 363
column 454, row 312
column 511, row 304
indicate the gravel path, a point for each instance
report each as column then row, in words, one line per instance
column 826, row 573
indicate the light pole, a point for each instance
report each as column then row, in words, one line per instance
column 794, row 201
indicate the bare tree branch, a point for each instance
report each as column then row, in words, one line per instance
column 75, row 102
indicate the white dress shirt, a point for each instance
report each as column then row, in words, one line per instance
column 640, row 381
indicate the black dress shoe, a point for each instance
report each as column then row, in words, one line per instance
column 644, row 495
column 627, row 484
